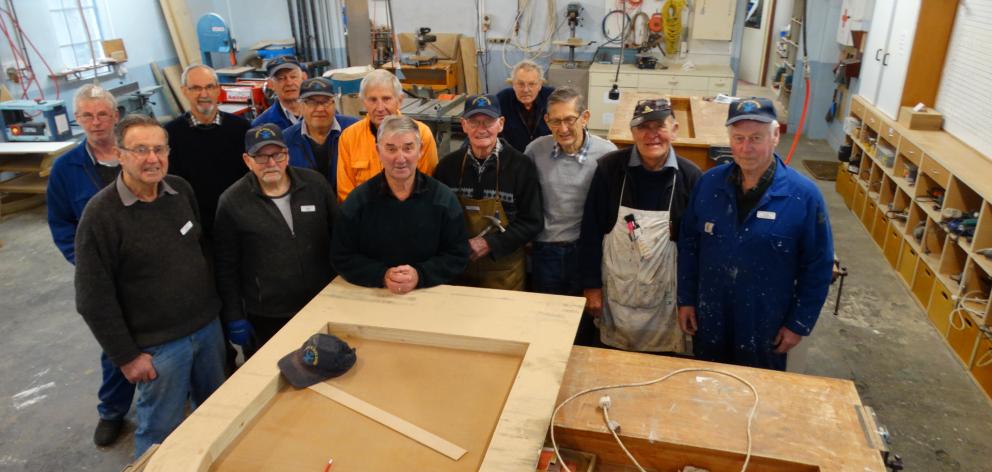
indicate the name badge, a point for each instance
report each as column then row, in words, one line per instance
column 308, row 208
column 708, row 227
column 766, row 215
column 472, row 208
column 186, row 227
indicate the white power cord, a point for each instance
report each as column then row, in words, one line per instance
column 605, row 403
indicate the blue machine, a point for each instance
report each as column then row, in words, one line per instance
column 215, row 37
column 30, row 120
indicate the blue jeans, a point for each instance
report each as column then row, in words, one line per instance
column 115, row 392
column 555, row 268
column 190, row 367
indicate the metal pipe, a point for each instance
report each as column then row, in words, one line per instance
column 292, row 24
column 316, row 30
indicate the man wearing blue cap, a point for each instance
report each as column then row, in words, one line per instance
column 500, row 193
column 272, row 240
column 313, row 142
column 756, row 252
column 285, row 77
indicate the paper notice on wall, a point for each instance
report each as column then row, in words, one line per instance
column 61, row 124
column 607, row 119
column 854, row 14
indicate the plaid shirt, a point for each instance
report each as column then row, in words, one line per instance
column 193, row 122
column 579, row 156
column 482, row 165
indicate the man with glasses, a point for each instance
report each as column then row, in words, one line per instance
column 144, row 286
column 500, row 195
column 75, row 178
column 206, row 143
column 271, row 239
column 313, row 142
column 627, row 252
column 285, row 77
column 566, row 161
column 524, row 104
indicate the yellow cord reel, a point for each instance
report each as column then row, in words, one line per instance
column 671, row 19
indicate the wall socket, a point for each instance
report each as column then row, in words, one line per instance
column 498, row 40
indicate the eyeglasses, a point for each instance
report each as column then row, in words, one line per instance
column 89, row 117
column 145, row 151
column 262, row 159
column 313, row 102
column 653, row 127
column 198, row 89
column 568, row 122
column 526, row 85
column 476, row 124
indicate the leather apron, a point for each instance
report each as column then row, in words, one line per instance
column 639, row 277
column 506, row 273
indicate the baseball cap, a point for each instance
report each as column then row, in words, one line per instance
column 321, row 357
column 262, row 135
column 652, row 109
column 279, row 63
column 316, row 86
column 752, row 108
column 484, row 104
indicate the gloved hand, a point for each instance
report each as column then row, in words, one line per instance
column 240, row 332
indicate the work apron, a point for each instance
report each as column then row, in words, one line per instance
column 506, row 273
column 639, row 274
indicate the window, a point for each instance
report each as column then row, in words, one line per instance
column 71, row 34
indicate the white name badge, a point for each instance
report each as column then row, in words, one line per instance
column 186, row 227
column 766, row 215
column 472, row 208
column 708, row 227
column 308, row 208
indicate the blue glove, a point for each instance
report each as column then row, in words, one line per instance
column 240, row 332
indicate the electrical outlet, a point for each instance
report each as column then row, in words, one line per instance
column 486, row 23
column 498, row 40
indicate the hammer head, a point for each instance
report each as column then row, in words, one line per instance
column 495, row 223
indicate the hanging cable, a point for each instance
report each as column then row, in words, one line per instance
column 802, row 117
column 671, row 14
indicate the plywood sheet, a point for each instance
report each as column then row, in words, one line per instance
column 182, row 30
column 492, row 321
column 701, row 126
column 173, row 77
column 470, row 67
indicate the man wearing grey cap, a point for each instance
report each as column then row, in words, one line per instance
column 627, row 246
column 756, row 251
column 285, row 77
column 313, row 142
column 500, row 193
column 272, row 240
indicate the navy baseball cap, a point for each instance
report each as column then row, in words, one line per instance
column 317, row 86
column 280, row 63
column 752, row 108
column 484, row 104
column 652, row 109
column 321, row 357
column 261, row 136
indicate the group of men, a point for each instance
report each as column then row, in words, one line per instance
column 177, row 248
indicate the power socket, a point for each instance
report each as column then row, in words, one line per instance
column 498, row 40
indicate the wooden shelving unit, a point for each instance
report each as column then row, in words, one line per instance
column 931, row 172
column 27, row 165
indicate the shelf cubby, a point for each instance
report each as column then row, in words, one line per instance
column 951, row 269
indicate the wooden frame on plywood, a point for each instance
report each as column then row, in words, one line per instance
column 538, row 328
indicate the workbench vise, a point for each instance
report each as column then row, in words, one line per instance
column 34, row 120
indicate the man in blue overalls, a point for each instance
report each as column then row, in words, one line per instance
column 756, row 251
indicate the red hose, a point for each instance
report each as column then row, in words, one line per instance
column 802, row 121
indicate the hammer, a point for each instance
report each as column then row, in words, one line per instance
column 493, row 223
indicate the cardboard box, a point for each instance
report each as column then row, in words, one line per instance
column 926, row 119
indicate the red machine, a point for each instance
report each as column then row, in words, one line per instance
column 247, row 96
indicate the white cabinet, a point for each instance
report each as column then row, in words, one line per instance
column 702, row 81
column 713, row 19
column 887, row 52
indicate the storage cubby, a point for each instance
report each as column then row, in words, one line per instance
column 887, row 192
column 960, row 197
column 868, row 216
column 864, row 173
column 963, row 335
column 860, row 195
column 908, row 261
column 898, row 209
column 923, row 283
column 940, row 308
column 951, row 268
column 917, row 217
column 981, row 368
column 875, row 181
column 892, row 244
column 983, row 233
column 976, row 287
column 932, row 246
column 885, row 147
column 879, row 226
column 929, row 195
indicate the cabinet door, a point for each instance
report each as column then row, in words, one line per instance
column 895, row 59
column 713, row 19
column 878, row 36
column 601, row 108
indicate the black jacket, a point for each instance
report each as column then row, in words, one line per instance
column 604, row 200
column 515, row 131
column 263, row 268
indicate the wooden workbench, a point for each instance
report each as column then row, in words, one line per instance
column 31, row 163
column 477, row 367
column 803, row 423
column 701, row 125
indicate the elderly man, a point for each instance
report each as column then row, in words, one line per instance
column 285, row 77
column 756, row 253
column 272, row 240
column 500, row 194
column 313, row 142
column 566, row 161
column 401, row 229
column 358, row 161
column 524, row 105
column 143, row 283
column 627, row 248
column 75, row 178
column 206, row 143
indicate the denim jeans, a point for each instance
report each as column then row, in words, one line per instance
column 190, row 367
column 555, row 269
column 115, row 391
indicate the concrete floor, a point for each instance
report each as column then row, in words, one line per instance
column 938, row 418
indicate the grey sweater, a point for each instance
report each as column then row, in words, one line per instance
column 142, row 277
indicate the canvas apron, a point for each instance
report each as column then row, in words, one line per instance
column 505, row 273
column 639, row 274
